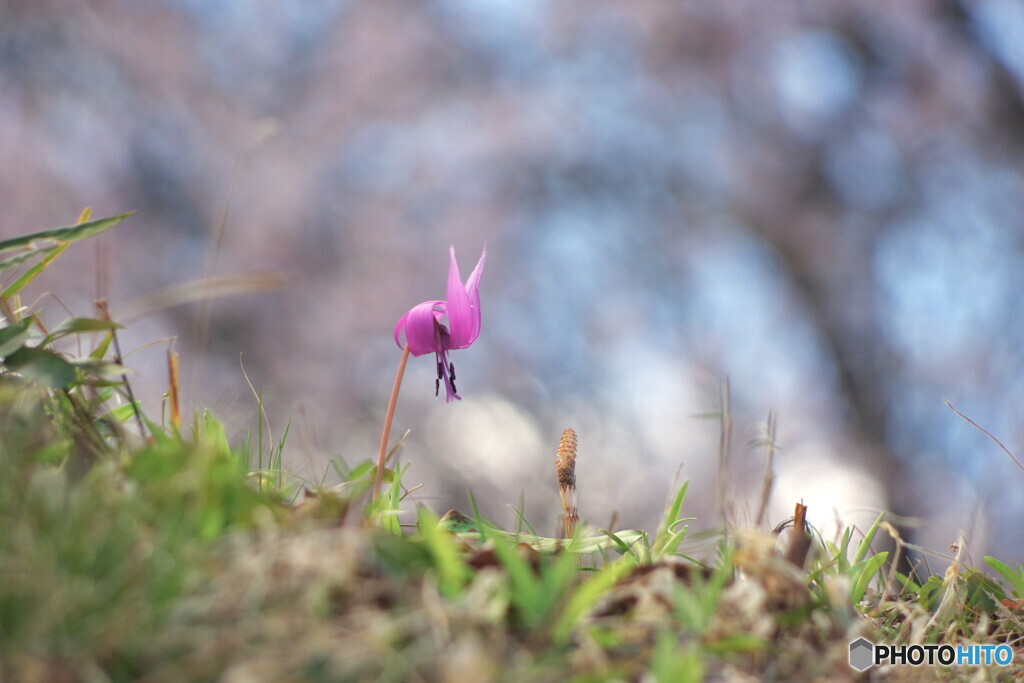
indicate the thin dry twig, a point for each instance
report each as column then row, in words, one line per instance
column 986, row 433
column 894, row 534
column 724, row 446
column 259, row 400
column 769, row 472
column 104, row 310
column 216, row 242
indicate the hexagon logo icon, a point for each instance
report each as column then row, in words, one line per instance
column 862, row 654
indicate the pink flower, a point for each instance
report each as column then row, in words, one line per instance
column 425, row 333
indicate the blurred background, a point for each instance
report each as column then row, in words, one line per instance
column 820, row 201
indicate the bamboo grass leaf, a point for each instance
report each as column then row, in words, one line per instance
column 71, row 233
column 14, row 336
column 34, row 271
column 45, row 368
column 18, row 259
column 78, row 326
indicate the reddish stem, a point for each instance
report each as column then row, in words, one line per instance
column 387, row 423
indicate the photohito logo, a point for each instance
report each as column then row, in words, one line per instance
column 865, row 654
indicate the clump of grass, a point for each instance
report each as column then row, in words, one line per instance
column 139, row 549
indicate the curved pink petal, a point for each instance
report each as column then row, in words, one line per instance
column 473, row 290
column 473, row 282
column 421, row 324
column 464, row 302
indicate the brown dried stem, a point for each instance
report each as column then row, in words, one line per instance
column 175, row 391
column 799, row 539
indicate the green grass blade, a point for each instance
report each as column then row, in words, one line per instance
column 18, row 259
column 862, row 573
column 481, row 523
column 213, row 434
column 123, row 412
column 78, row 326
column 670, row 663
column 695, row 605
column 71, row 233
column 392, row 500
column 557, row 578
column 101, row 349
column 278, row 460
column 522, row 521
column 34, row 271
column 907, row 584
column 527, row 594
column 841, row 555
column 620, row 545
column 669, row 521
column 1014, row 578
column 452, row 573
column 673, row 541
column 865, row 543
column 587, row 595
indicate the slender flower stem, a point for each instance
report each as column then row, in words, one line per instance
column 387, row 423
